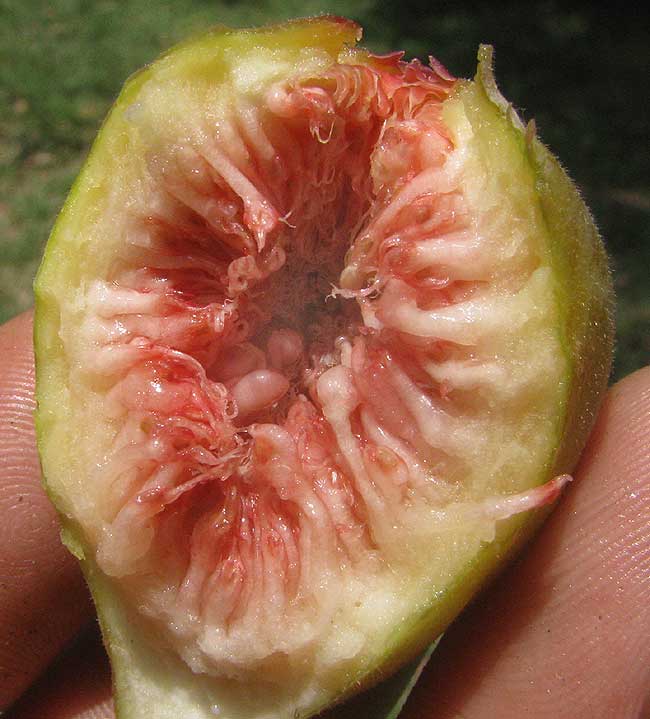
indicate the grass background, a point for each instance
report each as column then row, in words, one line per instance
column 582, row 74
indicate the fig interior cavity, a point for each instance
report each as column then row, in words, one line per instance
column 299, row 334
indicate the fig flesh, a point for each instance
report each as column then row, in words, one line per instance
column 318, row 333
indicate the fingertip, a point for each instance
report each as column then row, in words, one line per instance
column 43, row 599
column 77, row 686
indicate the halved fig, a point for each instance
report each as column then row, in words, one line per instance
column 318, row 332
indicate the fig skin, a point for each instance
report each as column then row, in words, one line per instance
column 148, row 682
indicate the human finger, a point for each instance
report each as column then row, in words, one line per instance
column 77, row 685
column 43, row 599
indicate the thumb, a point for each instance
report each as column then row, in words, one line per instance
column 43, row 599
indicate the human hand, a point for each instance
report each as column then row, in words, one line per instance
column 562, row 634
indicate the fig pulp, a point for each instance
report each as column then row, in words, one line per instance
column 318, row 332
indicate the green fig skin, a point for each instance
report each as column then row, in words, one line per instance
column 151, row 682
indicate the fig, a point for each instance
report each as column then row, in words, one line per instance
column 319, row 336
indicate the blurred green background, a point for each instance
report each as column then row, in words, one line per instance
column 582, row 74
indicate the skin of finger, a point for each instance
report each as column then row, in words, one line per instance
column 43, row 598
column 77, row 686
column 564, row 633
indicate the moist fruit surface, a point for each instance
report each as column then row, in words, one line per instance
column 303, row 353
